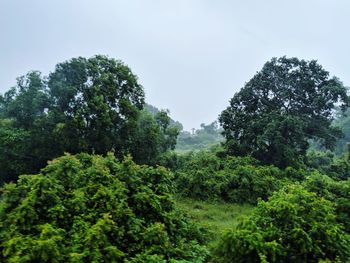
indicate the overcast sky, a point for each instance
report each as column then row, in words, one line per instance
column 191, row 56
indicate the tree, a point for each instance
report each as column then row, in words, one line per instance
column 89, row 105
column 170, row 132
column 154, row 111
column 26, row 136
column 27, row 101
column 343, row 122
column 287, row 103
column 152, row 138
column 97, row 101
column 168, row 128
column 15, row 155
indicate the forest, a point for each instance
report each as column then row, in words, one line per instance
column 91, row 172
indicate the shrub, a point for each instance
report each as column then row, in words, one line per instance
column 294, row 225
column 335, row 167
column 205, row 176
column 88, row 208
column 248, row 183
column 336, row 191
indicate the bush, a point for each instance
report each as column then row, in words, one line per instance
column 336, row 191
column 88, row 208
column 335, row 167
column 205, row 176
column 246, row 184
column 294, row 225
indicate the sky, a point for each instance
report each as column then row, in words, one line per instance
column 191, row 56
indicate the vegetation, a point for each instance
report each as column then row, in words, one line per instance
column 88, row 208
column 287, row 103
column 328, row 163
column 203, row 138
column 86, row 105
column 338, row 192
column 154, row 111
column 199, row 139
column 205, row 176
column 134, row 187
column 343, row 122
column 293, row 226
column 216, row 217
column 155, row 134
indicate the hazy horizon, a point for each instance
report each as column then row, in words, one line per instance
column 191, row 56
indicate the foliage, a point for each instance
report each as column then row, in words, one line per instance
column 13, row 140
column 343, row 122
column 86, row 105
column 152, row 137
column 27, row 102
column 154, row 111
column 205, row 176
column 203, row 138
column 169, row 132
column 293, row 226
column 98, row 100
column 287, row 103
column 26, row 141
column 87, row 208
column 336, row 191
column 328, row 163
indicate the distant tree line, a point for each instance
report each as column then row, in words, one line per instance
column 203, row 138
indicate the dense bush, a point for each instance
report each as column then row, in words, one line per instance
column 205, row 176
column 328, row 163
column 336, row 191
column 295, row 225
column 246, row 184
column 88, row 208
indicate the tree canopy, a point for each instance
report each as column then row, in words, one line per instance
column 97, row 99
column 287, row 103
column 89, row 105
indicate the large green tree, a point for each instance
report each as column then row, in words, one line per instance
column 98, row 100
column 89, row 105
column 26, row 135
column 27, row 102
column 284, row 105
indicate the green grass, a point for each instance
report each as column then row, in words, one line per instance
column 216, row 217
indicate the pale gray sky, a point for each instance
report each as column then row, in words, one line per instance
column 191, row 56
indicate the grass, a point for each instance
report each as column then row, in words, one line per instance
column 215, row 216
